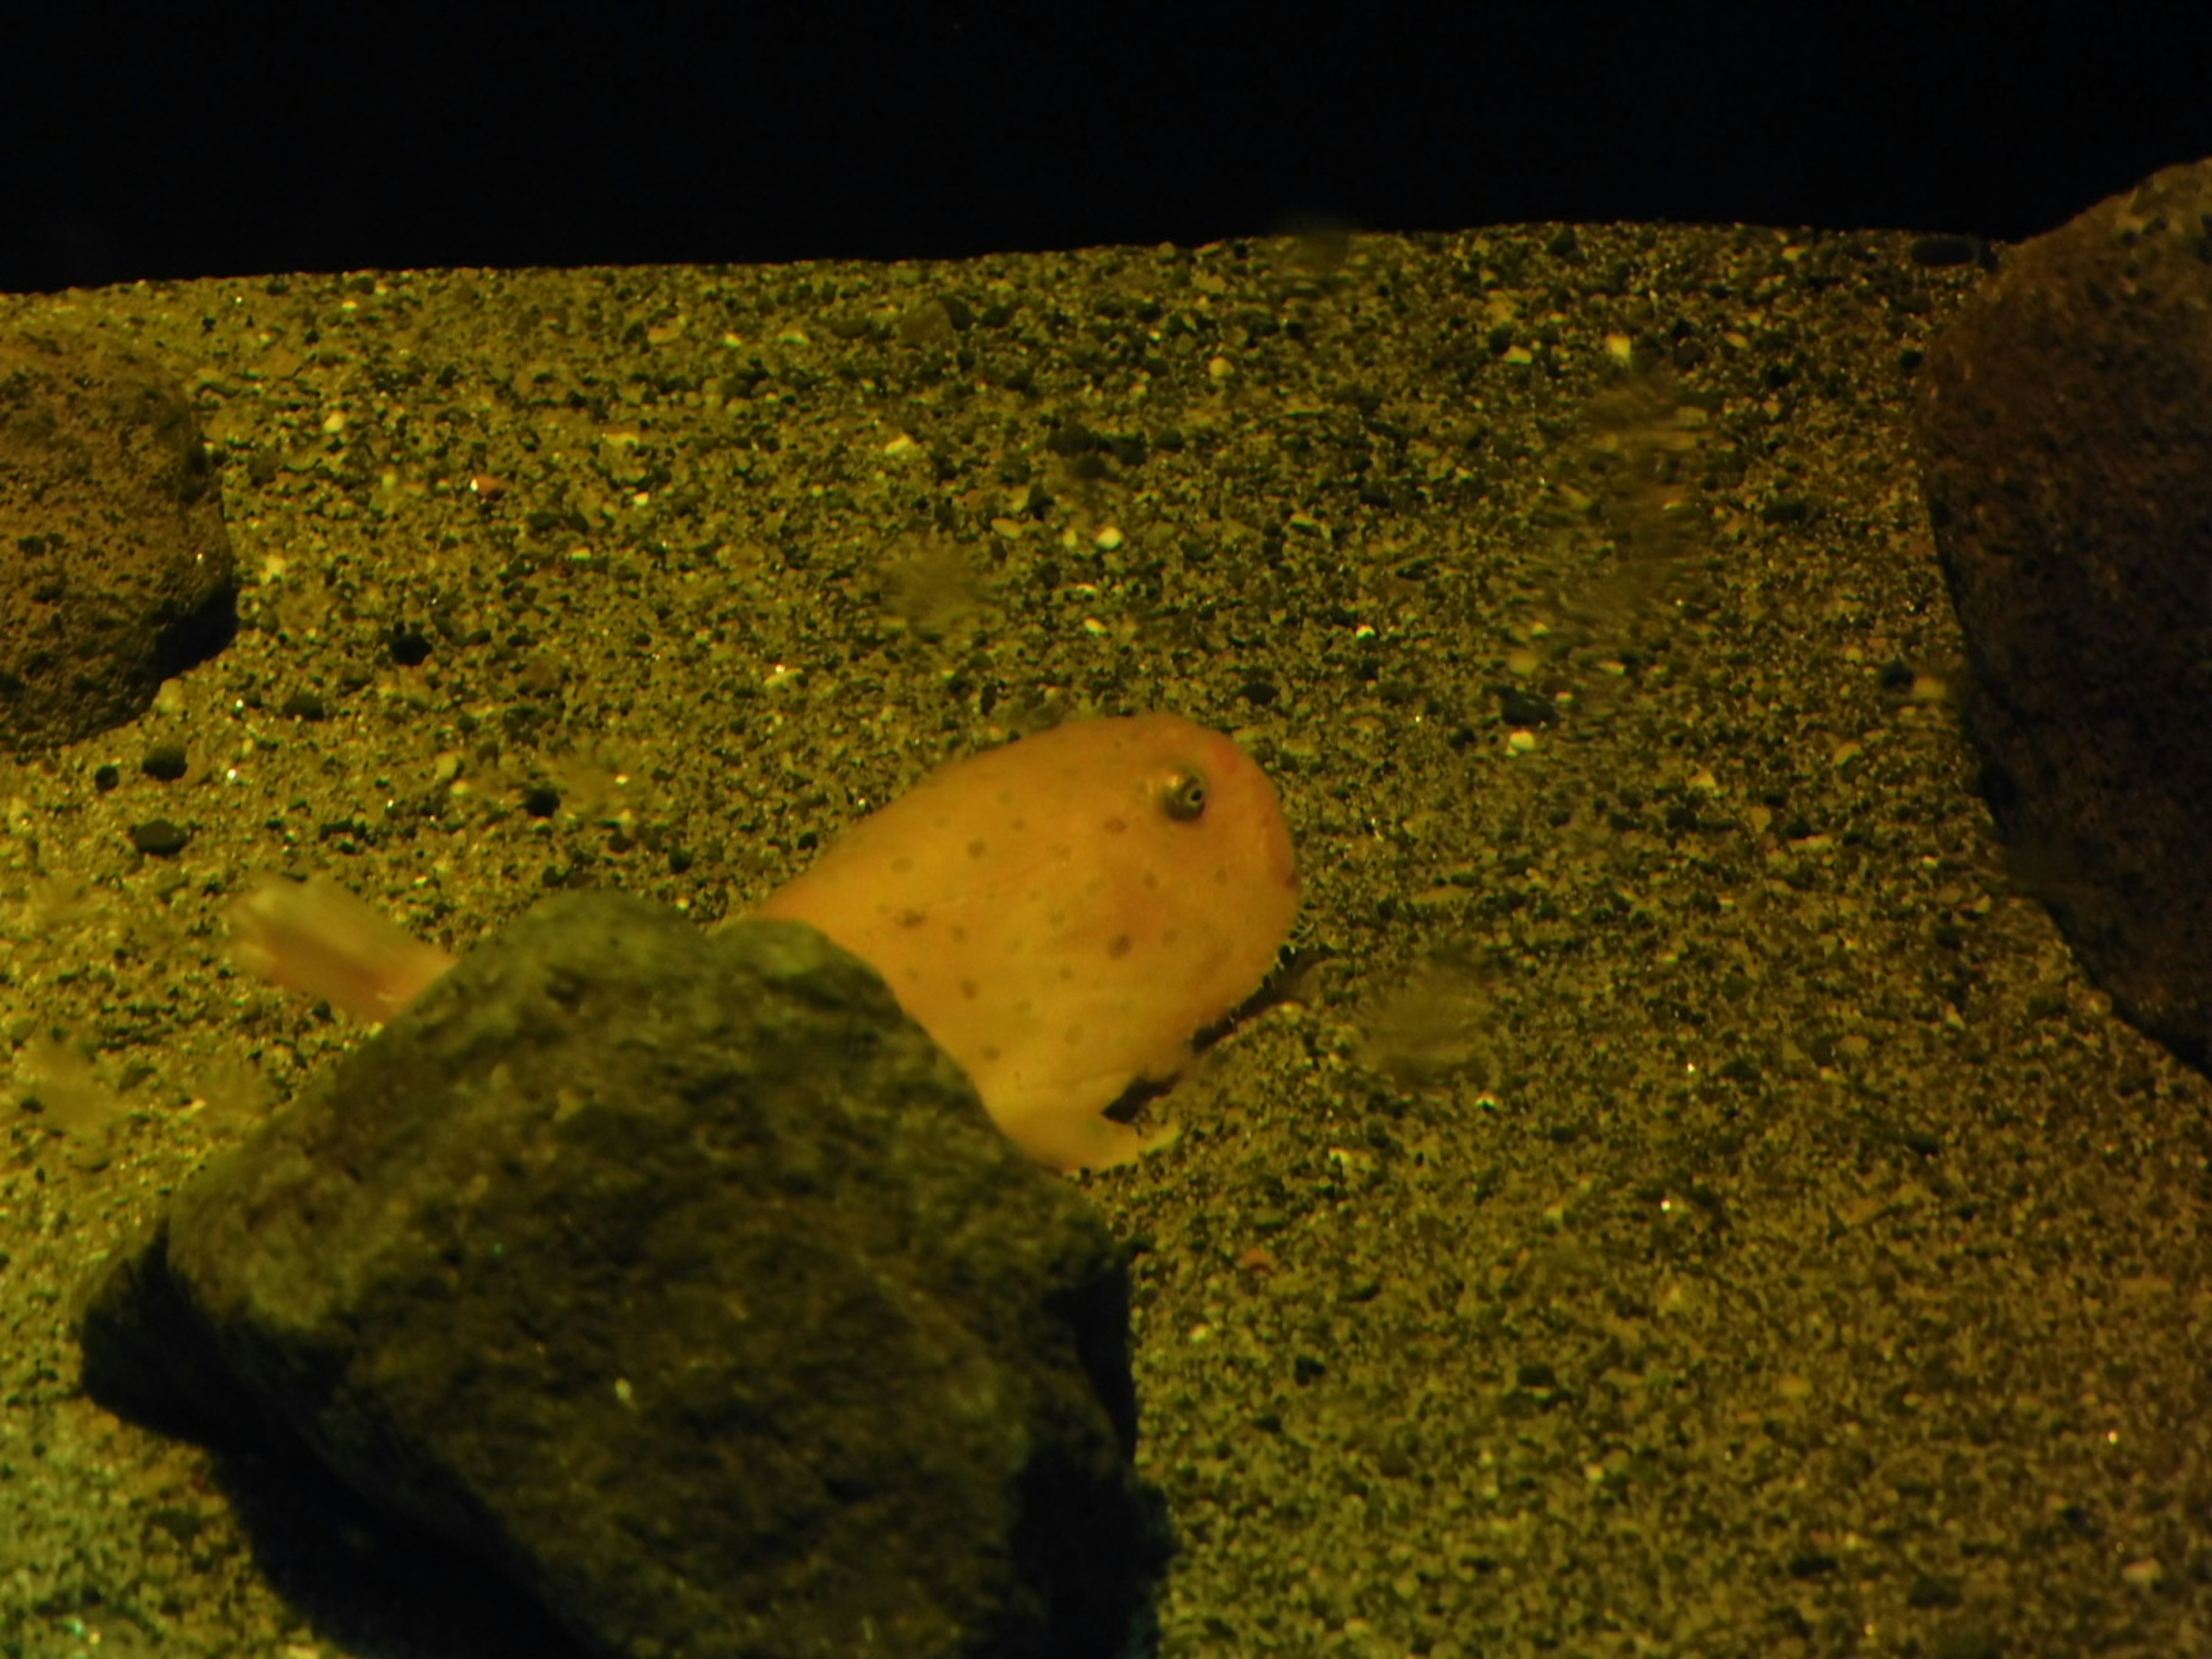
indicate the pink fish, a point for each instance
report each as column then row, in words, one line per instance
column 1062, row 914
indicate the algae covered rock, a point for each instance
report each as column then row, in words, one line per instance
column 115, row 568
column 685, row 1281
column 2065, row 431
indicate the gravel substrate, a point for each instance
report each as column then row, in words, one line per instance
column 1681, row 1198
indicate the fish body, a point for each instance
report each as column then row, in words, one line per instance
column 1064, row 913
column 1061, row 915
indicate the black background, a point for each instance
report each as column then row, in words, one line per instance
column 222, row 140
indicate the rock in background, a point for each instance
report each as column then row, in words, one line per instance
column 115, row 568
column 682, row 1279
column 2066, row 431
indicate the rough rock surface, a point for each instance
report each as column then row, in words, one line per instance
column 682, row 1279
column 2066, row 433
column 115, row 568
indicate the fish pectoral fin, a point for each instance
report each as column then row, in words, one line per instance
column 1100, row 1143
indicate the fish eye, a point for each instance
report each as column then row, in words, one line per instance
column 1183, row 798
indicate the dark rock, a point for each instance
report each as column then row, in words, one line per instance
column 159, row 838
column 166, row 761
column 2066, row 436
column 683, row 1280
column 115, row 568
